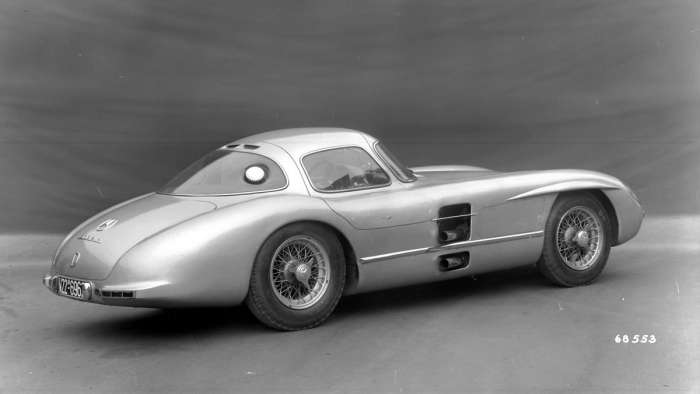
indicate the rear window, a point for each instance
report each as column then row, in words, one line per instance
column 227, row 172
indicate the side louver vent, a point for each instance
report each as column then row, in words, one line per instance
column 454, row 223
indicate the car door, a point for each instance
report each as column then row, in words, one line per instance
column 389, row 215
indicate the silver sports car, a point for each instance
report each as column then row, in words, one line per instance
column 290, row 220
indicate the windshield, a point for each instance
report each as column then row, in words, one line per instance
column 227, row 172
column 401, row 171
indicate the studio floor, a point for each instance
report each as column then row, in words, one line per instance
column 505, row 331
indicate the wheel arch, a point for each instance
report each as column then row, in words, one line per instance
column 604, row 201
column 351, row 269
column 610, row 210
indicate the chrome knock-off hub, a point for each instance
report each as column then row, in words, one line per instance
column 302, row 273
column 582, row 239
column 296, row 271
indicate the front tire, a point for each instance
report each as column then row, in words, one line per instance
column 297, row 278
column 577, row 240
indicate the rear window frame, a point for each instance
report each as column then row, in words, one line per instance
column 232, row 150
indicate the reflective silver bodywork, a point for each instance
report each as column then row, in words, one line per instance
column 165, row 250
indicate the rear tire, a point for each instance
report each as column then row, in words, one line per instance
column 297, row 278
column 577, row 240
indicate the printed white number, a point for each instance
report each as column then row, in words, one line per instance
column 634, row 338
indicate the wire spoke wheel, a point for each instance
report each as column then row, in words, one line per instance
column 579, row 238
column 300, row 272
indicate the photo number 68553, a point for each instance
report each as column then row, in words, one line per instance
column 636, row 338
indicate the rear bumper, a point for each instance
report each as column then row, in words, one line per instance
column 137, row 294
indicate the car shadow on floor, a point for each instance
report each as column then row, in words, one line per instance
column 493, row 284
column 180, row 323
column 164, row 324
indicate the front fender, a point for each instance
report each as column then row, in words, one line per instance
column 602, row 183
column 208, row 259
column 628, row 211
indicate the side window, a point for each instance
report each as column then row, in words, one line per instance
column 343, row 169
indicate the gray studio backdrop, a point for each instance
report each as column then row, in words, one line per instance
column 104, row 100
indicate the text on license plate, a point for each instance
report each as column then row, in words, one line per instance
column 71, row 288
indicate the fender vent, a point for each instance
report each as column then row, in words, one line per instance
column 454, row 223
column 455, row 261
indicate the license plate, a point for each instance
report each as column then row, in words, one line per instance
column 72, row 288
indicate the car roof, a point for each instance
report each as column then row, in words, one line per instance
column 299, row 141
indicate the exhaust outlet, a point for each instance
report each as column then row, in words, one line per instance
column 459, row 233
column 448, row 236
column 453, row 262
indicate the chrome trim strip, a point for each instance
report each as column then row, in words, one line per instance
column 389, row 256
column 486, row 241
column 466, row 215
column 447, row 247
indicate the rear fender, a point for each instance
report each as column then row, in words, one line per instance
column 210, row 257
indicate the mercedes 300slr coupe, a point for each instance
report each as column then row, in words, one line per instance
column 288, row 221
